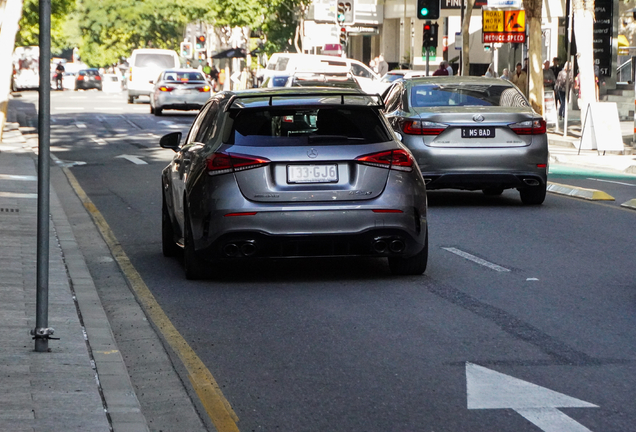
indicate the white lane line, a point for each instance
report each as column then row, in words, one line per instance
column 17, row 195
column 69, row 108
column 98, row 141
column 134, row 159
column 17, row 177
column 477, row 260
column 108, row 108
column 80, row 125
column 611, row 181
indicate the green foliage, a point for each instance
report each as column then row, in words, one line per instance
column 30, row 24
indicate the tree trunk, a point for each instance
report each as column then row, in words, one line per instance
column 466, row 37
column 584, row 32
column 8, row 30
column 535, row 66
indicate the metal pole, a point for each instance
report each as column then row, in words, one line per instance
column 461, row 52
column 426, row 48
column 570, row 70
column 42, row 332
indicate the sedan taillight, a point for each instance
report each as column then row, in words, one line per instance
column 400, row 160
column 204, row 89
column 166, row 89
column 224, row 163
column 529, row 127
column 420, row 127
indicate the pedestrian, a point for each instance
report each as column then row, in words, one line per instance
column 490, row 73
column 556, row 68
column 449, row 69
column 383, row 66
column 441, row 70
column 563, row 83
column 214, row 76
column 548, row 76
column 59, row 76
column 520, row 79
column 505, row 74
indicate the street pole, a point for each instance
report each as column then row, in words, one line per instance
column 42, row 332
column 426, row 49
column 570, row 69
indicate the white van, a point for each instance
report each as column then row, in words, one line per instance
column 145, row 66
column 286, row 64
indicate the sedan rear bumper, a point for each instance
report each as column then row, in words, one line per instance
column 483, row 180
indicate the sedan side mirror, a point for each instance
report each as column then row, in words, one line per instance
column 171, row 141
column 151, row 81
column 398, row 135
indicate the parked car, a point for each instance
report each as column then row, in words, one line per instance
column 471, row 133
column 293, row 172
column 289, row 63
column 112, row 83
column 397, row 74
column 88, row 79
column 179, row 89
column 145, row 65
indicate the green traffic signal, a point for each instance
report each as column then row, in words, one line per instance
column 423, row 12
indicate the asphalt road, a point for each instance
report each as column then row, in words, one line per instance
column 516, row 300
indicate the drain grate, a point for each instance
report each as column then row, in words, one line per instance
column 9, row 210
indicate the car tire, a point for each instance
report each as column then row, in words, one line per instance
column 193, row 265
column 158, row 111
column 492, row 191
column 131, row 99
column 168, row 245
column 415, row 265
column 533, row 195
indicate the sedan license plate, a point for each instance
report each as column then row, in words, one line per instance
column 478, row 132
column 312, row 173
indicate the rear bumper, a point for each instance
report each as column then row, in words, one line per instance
column 483, row 180
column 193, row 101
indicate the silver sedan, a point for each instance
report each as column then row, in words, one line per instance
column 179, row 89
column 471, row 133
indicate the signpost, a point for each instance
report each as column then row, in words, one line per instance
column 603, row 28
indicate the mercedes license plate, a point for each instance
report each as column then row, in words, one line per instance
column 312, row 173
column 478, row 132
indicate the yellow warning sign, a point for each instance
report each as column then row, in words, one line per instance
column 515, row 21
column 493, row 21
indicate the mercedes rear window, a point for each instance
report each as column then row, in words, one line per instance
column 163, row 61
column 435, row 95
column 307, row 126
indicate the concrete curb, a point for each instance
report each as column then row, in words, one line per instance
column 578, row 192
column 630, row 204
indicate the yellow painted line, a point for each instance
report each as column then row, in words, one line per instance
column 630, row 204
column 206, row 387
column 579, row 192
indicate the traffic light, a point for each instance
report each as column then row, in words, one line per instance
column 341, row 12
column 430, row 34
column 186, row 49
column 348, row 13
column 343, row 37
column 200, row 43
column 428, row 9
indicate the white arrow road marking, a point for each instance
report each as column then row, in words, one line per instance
column 477, row 260
column 133, row 159
column 488, row 389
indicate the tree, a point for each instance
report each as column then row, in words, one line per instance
column 8, row 30
column 535, row 68
column 30, row 24
column 584, row 33
column 466, row 37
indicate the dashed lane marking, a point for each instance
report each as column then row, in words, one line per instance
column 477, row 260
column 612, row 181
column 17, row 177
column 579, row 192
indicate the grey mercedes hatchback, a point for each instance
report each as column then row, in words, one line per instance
column 292, row 172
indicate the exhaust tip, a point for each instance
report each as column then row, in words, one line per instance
column 397, row 246
column 380, row 246
column 230, row 249
column 531, row 182
column 248, row 249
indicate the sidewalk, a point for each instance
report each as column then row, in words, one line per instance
column 564, row 150
column 59, row 390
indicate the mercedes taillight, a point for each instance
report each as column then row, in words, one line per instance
column 224, row 163
column 400, row 160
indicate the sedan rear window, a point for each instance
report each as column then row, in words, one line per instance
column 433, row 95
column 162, row 61
column 297, row 127
column 183, row 76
